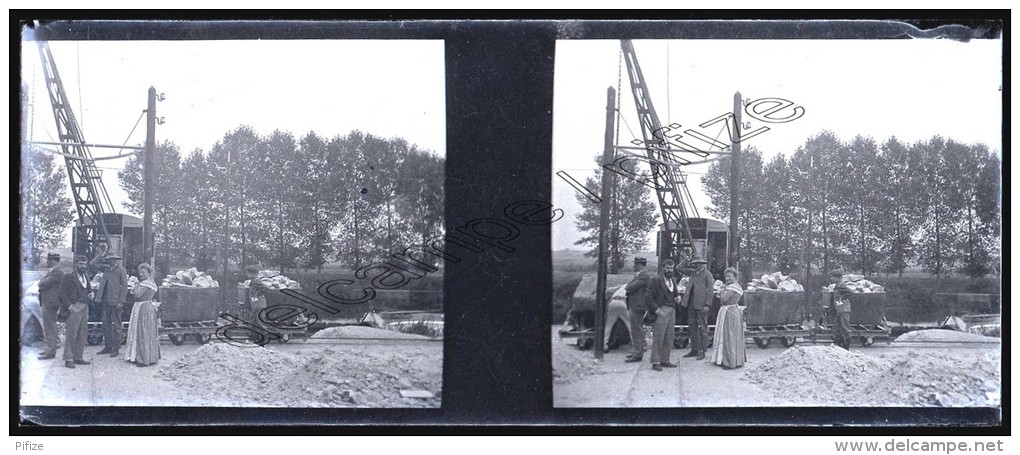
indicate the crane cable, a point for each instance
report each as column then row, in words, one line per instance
column 81, row 111
column 669, row 100
column 619, row 97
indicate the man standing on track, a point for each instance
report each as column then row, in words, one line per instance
column 839, row 309
column 75, row 293
column 662, row 295
column 636, row 290
column 111, row 294
column 698, row 300
column 49, row 300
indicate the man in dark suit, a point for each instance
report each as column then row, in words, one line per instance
column 49, row 300
column 698, row 300
column 636, row 290
column 111, row 294
column 75, row 293
column 661, row 295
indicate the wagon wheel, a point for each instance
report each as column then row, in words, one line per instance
column 284, row 337
column 585, row 343
column 867, row 341
column 176, row 339
column 762, row 342
column 788, row 341
column 202, row 338
column 94, row 340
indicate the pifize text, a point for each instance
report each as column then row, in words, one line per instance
column 26, row 445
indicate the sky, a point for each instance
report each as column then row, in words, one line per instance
column 390, row 88
column 910, row 89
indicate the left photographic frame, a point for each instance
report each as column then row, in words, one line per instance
column 281, row 195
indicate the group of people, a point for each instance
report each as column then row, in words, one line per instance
column 665, row 296
column 67, row 297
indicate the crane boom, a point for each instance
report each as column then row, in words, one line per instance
column 675, row 201
column 90, row 197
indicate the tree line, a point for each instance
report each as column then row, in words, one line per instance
column 867, row 207
column 287, row 202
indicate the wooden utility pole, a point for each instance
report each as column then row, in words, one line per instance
column 810, row 231
column 148, row 163
column 228, row 284
column 735, row 158
column 604, row 208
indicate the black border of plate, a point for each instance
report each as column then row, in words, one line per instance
column 499, row 73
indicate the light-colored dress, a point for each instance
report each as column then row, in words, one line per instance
column 143, row 330
column 729, row 341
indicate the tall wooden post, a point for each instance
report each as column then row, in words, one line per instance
column 735, row 160
column 228, row 285
column 604, row 208
column 810, row 235
column 148, row 163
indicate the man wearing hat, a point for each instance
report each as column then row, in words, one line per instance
column 75, row 292
column 662, row 295
column 98, row 263
column 110, row 294
column 636, row 289
column 698, row 300
column 49, row 300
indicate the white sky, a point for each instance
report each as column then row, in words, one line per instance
column 384, row 87
column 912, row 89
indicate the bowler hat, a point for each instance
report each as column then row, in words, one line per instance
column 112, row 257
column 698, row 260
column 54, row 256
column 640, row 261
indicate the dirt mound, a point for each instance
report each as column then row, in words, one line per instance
column 227, row 370
column 362, row 333
column 330, row 377
column 830, row 376
column 571, row 364
column 946, row 335
column 818, row 373
column 935, row 379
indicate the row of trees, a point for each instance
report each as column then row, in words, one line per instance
column 858, row 205
column 290, row 203
column 45, row 209
column 632, row 215
column 867, row 207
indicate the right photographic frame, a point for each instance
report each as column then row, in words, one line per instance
column 778, row 222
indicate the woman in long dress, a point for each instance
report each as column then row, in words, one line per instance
column 143, row 330
column 730, row 348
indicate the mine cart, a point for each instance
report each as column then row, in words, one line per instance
column 867, row 318
column 775, row 315
column 189, row 313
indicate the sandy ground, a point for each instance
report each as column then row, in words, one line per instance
column 115, row 382
column 581, row 382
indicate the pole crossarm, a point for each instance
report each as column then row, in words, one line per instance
column 75, row 144
column 643, row 149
